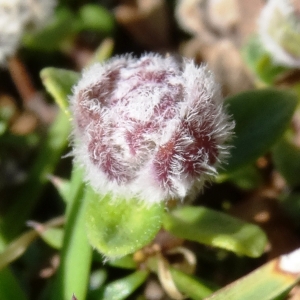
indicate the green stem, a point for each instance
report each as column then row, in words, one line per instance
column 76, row 255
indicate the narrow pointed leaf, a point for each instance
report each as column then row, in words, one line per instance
column 53, row 237
column 58, row 83
column 266, row 283
column 16, row 248
column 62, row 186
column 122, row 288
column 216, row 229
column 261, row 118
column 19, row 245
column 190, row 286
column 97, row 280
column 187, row 284
column 117, row 228
column 103, row 52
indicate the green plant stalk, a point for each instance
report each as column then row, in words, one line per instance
column 49, row 154
column 76, row 255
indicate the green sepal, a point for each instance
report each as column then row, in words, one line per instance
column 125, row 262
column 117, row 227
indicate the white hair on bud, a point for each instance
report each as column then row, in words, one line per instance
column 149, row 128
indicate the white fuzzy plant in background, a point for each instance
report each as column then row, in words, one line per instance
column 279, row 28
column 151, row 128
column 17, row 16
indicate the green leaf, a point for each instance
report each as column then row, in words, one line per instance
column 260, row 61
column 261, row 117
column 97, row 280
column 9, row 287
column 216, row 229
column 286, row 157
column 62, row 186
column 6, row 113
column 189, row 285
column 103, row 52
column 51, row 38
column 120, row 227
column 246, row 178
column 53, row 237
column 58, row 83
column 16, row 248
column 96, row 17
column 122, row 288
column 266, row 283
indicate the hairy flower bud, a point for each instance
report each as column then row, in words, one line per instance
column 279, row 26
column 150, row 128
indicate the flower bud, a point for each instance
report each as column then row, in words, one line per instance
column 150, row 128
column 279, row 27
